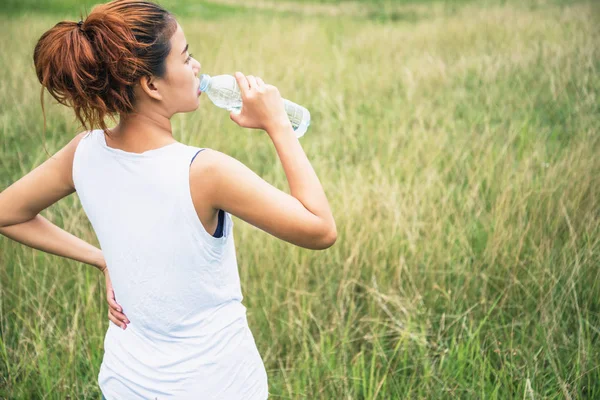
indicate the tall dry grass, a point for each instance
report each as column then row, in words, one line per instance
column 459, row 151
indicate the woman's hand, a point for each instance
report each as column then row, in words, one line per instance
column 262, row 105
column 114, row 310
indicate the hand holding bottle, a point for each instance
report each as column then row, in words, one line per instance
column 264, row 111
column 263, row 106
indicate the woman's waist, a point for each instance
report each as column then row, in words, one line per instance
column 169, row 322
column 182, row 352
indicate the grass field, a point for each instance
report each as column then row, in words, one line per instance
column 458, row 144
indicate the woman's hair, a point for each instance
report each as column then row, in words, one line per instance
column 93, row 66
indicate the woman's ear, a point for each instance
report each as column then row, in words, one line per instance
column 150, row 87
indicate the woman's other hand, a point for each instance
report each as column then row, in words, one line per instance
column 115, row 311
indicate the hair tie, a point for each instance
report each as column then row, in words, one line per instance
column 79, row 25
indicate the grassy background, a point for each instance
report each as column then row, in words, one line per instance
column 458, row 145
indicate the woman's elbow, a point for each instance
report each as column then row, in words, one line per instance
column 320, row 237
column 328, row 239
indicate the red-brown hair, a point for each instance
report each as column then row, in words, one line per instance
column 93, row 66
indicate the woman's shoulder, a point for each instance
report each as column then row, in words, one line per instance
column 210, row 167
column 206, row 158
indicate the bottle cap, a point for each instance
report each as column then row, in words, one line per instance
column 204, row 81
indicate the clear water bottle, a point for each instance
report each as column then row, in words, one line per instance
column 224, row 92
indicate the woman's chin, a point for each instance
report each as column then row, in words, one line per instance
column 192, row 108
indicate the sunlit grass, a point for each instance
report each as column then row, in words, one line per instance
column 459, row 152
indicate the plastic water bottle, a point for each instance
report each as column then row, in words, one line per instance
column 224, row 92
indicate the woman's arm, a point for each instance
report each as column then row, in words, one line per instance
column 20, row 219
column 43, row 235
column 303, row 217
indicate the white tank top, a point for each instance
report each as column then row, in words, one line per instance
column 179, row 285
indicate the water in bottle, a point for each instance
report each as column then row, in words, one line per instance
column 224, row 92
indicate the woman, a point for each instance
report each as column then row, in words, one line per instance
column 161, row 209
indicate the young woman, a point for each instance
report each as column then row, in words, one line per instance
column 161, row 209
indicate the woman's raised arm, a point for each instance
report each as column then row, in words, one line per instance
column 302, row 217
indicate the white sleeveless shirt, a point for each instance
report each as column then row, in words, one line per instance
column 179, row 285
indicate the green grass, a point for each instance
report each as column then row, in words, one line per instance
column 459, row 151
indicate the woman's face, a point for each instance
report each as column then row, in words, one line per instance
column 178, row 89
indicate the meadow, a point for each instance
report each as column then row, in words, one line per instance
column 458, row 144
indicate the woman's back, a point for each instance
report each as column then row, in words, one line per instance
column 178, row 284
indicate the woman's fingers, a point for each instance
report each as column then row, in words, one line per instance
column 110, row 297
column 248, row 82
column 242, row 82
column 114, row 310
column 252, row 82
column 119, row 316
column 116, row 321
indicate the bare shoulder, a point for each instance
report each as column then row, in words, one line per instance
column 204, row 161
column 69, row 148
column 66, row 155
column 68, row 151
column 204, row 178
column 215, row 176
column 212, row 164
column 72, row 145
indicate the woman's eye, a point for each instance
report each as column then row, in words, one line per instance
column 189, row 58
